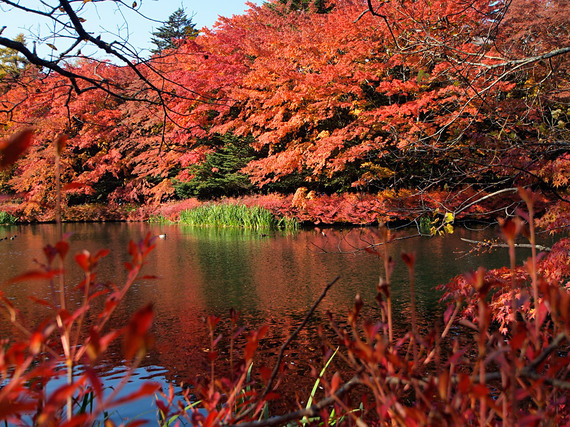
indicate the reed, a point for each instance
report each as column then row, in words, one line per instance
column 235, row 216
column 159, row 219
column 6, row 218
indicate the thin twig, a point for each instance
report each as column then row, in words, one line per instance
column 294, row 334
column 312, row 411
column 284, row 346
column 504, row 245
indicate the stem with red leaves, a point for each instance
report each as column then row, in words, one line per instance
column 410, row 260
column 388, row 292
column 482, row 353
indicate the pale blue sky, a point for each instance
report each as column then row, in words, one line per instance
column 106, row 19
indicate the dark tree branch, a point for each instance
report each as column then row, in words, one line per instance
column 309, row 314
column 313, row 411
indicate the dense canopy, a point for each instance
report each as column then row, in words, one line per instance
column 452, row 100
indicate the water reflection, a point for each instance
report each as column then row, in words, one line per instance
column 272, row 279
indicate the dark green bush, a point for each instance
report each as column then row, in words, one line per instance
column 219, row 175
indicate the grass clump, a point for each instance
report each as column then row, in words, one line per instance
column 159, row 219
column 235, row 216
column 6, row 218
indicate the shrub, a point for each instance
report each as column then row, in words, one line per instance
column 72, row 335
column 469, row 372
column 219, row 175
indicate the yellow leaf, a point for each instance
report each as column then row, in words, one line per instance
column 52, row 46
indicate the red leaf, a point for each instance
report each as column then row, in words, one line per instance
column 510, row 228
column 40, row 301
column 137, row 336
column 272, row 396
column 477, row 280
column 10, row 408
column 75, row 186
column 77, row 420
column 448, row 313
column 83, row 260
column 542, row 312
column 137, row 423
column 373, row 252
column 527, row 195
column 253, row 341
column 101, row 253
column 480, row 390
column 16, row 354
column 146, row 389
column 62, row 247
column 464, row 383
column 95, row 383
column 60, row 143
column 518, row 340
column 61, row 394
column 14, row 147
column 335, row 382
column 35, row 275
column 50, row 253
column 36, row 341
column 409, row 259
column 162, row 407
column 212, row 321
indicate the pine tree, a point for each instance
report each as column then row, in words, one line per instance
column 11, row 62
column 177, row 27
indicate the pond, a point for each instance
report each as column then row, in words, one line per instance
column 271, row 279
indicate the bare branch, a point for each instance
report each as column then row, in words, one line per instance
column 503, row 245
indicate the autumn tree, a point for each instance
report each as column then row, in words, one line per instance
column 318, row 6
column 178, row 27
column 401, row 100
column 71, row 36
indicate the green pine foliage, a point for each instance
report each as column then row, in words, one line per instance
column 219, row 175
column 11, row 62
column 178, row 27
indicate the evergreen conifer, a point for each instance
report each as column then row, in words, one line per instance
column 178, row 26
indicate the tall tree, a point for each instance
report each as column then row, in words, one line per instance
column 178, row 27
column 11, row 61
column 70, row 35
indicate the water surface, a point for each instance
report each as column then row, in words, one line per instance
column 271, row 279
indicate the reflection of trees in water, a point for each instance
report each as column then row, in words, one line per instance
column 273, row 280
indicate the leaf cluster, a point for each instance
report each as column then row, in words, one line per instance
column 343, row 102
